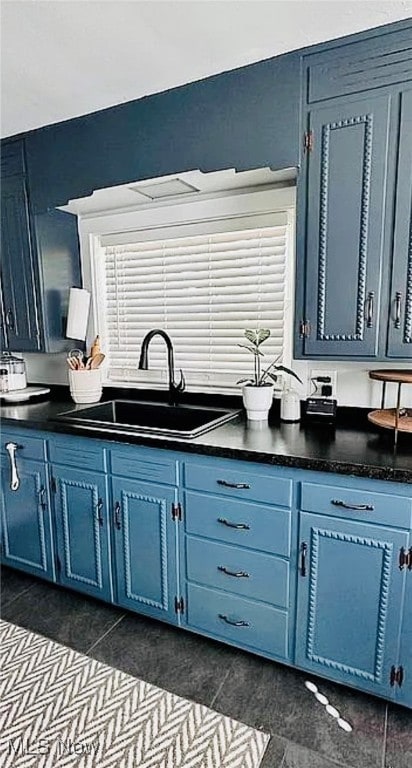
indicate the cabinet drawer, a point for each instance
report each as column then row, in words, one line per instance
column 29, row 447
column 153, row 466
column 238, row 522
column 356, row 504
column 76, row 452
column 243, row 484
column 251, row 574
column 241, row 621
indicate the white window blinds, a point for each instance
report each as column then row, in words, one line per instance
column 204, row 290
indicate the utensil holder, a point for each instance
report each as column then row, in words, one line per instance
column 85, row 385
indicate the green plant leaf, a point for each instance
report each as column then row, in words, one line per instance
column 261, row 335
column 289, row 371
column 266, row 371
column 273, row 376
column 251, row 336
column 244, row 381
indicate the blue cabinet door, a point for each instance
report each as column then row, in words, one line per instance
column 349, row 601
column 25, row 519
column 82, row 528
column 345, row 194
column 18, row 276
column 145, row 546
column 400, row 320
column 403, row 692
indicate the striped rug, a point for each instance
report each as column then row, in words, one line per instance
column 60, row 708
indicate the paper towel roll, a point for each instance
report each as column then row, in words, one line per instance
column 78, row 315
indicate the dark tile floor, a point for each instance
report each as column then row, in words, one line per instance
column 243, row 686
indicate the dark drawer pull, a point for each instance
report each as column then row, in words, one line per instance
column 42, row 493
column 356, row 507
column 398, row 309
column 303, row 553
column 99, row 515
column 226, row 484
column 238, row 526
column 237, row 574
column 117, row 516
column 10, row 320
column 240, row 623
column 370, row 309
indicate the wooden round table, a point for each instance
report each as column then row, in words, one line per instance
column 399, row 419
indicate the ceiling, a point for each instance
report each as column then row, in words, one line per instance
column 64, row 58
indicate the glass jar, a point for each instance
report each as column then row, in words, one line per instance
column 15, row 371
column 4, row 380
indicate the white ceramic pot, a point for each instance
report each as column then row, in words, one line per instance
column 257, row 401
column 86, row 385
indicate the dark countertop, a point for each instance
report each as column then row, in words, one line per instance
column 351, row 448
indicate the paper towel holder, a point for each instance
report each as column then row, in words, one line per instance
column 78, row 314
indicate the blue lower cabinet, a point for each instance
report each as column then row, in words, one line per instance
column 246, row 623
column 25, row 518
column 402, row 684
column 145, row 545
column 82, row 524
column 350, row 593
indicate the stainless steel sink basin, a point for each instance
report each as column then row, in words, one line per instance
column 129, row 416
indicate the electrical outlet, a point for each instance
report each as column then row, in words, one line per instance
column 314, row 374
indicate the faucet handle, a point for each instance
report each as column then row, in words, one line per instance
column 181, row 386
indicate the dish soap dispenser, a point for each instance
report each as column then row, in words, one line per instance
column 289, row 405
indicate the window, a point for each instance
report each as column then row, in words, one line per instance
column 202, row 282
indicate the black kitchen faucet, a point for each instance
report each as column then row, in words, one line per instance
column 174, row 388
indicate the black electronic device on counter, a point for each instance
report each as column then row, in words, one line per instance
column 320, row 409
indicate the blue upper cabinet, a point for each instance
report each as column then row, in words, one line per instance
column 356, row 172
column 40, row 261
column 376, row 60
column 400, row 315
column 246, row 118
column 347, row 174
column 18, row 278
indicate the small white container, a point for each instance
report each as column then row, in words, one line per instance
column 86, row 385
column 290, row 405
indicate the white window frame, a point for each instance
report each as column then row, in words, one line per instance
column 173, row 217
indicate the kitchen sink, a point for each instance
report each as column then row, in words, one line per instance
column 130, row 416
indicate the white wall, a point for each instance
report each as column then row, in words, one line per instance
column 354, row 386
column 46, row 369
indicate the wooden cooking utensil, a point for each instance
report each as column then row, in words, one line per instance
column 95, row 348
column 96, row 361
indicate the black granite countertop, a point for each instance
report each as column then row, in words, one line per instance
column 352, row 447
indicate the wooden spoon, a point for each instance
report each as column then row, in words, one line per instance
column 96, row 361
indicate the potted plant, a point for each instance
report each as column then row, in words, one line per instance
column 258, row 389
